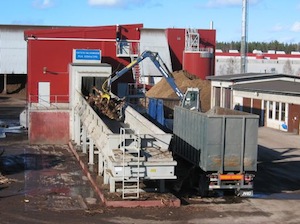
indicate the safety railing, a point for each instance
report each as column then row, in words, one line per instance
column 43, row 102
column 128, row 48
column 207, row 49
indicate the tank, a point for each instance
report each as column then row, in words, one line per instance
column 198, row 63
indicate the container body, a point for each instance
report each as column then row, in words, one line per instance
column 221, row 140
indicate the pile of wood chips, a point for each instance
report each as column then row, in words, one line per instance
column 183, row 80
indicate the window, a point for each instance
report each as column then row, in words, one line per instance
column 270, row 109
column 277, row 111
column 283, row 112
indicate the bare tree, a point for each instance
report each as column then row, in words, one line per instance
column 231, row 67
column 221, row 70
column 298, row 72
column 287, row 68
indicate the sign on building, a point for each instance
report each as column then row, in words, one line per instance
column 86, row 56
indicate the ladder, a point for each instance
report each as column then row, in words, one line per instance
column 136, row 70
column 130, row 146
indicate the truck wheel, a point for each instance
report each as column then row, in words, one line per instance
column 203, row 185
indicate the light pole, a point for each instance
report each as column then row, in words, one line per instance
column 244, row 47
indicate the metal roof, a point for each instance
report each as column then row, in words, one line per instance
column 24, row 26
column 249, row 76
column 276, row 86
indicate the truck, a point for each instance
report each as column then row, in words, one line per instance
column 222, row 143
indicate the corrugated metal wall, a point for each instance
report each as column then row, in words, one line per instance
column 56, row 55
column 156, row 41
column 255, row 65
column 219, row 140
column 13, row 51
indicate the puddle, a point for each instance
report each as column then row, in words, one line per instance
column 10, row 126
column 11, row 164
column 278, row 196
column 54, row 181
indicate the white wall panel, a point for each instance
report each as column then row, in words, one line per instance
column 154, row 40
column 13, row 51
column 255, row 65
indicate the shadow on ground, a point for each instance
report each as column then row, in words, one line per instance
column 276, row 170
column 12, row 164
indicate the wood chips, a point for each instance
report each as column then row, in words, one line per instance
column 183, row 80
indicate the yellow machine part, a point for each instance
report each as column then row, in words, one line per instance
column 106, row 95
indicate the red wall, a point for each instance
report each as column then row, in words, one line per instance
column 176, row 40
column 56, row 55
column 49, row 127
column 197, row 64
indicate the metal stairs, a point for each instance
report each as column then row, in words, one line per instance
column 131, row 148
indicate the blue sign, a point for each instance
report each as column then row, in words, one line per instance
column 87, row 54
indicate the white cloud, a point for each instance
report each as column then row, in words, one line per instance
column 214, row 3
column 42, row 4
column 278, row 27
column 104, row 2
column 117, row 3
column 225, row 3
column 296, row 27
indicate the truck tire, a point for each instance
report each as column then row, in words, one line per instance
column 203, row 185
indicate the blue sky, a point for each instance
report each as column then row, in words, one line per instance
column 268, row 20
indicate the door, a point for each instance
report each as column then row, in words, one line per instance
column 247, row 105
column 227, row 98
column 44, row 94
column 256, row 109
column 293, row 119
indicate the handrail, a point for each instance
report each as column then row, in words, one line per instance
column 48, row 101
column 128, row 48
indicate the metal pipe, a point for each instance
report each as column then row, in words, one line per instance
column 77, row 39
column 5, row 84
column 244, row 37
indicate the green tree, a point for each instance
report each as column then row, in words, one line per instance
column 263, row 46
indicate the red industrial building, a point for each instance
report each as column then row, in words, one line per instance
column 51, row 51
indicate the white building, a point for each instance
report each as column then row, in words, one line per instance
column 274, row 97
column 258, row 62
column 13, row 53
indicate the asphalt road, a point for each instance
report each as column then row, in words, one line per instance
column 47, row 186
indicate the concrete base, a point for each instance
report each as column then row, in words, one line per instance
column 49, row 127
column 122, row 203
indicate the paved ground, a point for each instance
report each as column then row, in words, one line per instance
column 48, row 186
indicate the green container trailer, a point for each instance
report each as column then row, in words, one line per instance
column 223, row 143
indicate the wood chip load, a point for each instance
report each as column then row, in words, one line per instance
column 108, row 107
column 183, row 80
